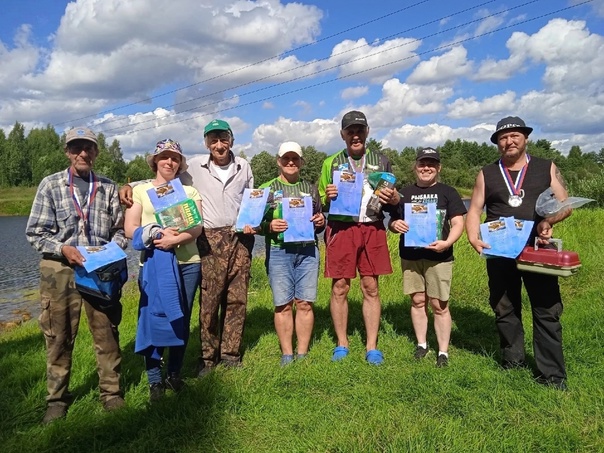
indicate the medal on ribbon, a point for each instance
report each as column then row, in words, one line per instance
column 514, row 187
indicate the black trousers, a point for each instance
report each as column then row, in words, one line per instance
column 505, row 285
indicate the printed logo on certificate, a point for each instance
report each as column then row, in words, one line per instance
column 422, row 221
column 297, row 212
column 350, row 193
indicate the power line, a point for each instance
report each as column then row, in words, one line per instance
column 109, row 121
column 446, row 46
column 324, row 69
column 241, row 68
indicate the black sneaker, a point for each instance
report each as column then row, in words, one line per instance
column 513, row 364
column 174, row 382
column 156, row 391
column 420, row 352
column 558, row 384
column 442, row 361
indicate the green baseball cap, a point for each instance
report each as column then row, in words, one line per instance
column 217, row 125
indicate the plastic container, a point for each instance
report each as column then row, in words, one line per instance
column 549, row 260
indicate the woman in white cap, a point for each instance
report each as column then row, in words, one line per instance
column 167, row 161
column 292, row 267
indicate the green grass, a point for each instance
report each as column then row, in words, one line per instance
column 16, row 200
column 319, row 406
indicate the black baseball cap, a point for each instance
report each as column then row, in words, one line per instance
column 510, row 122
column 428, row 153
column 354, row 117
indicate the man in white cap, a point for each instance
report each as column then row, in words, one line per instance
column 510, row 187
column 75, row 207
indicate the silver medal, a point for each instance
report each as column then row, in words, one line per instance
column 514, row 201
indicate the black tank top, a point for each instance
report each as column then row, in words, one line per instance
column 537, row 179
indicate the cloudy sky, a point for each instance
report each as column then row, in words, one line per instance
column 423, row 71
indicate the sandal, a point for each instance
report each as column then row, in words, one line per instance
column 339, row 353
column 374, row 357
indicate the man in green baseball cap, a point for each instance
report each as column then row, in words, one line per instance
column 217, row 125
column 220, row 177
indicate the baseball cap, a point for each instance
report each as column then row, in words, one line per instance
column 168, row 145
column 289, row 147
column 80, row 133
column 217, row 125
column 354, row 117
column 510, row 122
column 428, row 153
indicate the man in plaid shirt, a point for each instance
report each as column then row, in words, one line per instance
column 75, row 207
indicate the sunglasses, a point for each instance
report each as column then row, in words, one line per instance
column 77, row 149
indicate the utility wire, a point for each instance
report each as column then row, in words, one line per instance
column 446, row 46
column 336, row 66
column 310, row 63
column 252, row 64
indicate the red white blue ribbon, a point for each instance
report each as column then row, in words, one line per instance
column 514, row 187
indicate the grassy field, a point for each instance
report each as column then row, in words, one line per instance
column 319, row 406
column 16, row 200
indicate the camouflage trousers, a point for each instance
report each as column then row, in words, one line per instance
column 225, row 275
column 59, row 322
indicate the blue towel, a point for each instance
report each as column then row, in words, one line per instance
column 161, row 319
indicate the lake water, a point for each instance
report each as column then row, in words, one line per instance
column 19, row 270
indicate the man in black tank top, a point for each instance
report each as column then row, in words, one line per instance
column 510, row 187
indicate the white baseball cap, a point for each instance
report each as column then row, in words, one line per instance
column 289, row 147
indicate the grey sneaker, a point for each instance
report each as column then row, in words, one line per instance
column 54, row 412
column 286, row 359
column 420, row 352
column 442, row 361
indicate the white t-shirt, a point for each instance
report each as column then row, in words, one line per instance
column 224, row 172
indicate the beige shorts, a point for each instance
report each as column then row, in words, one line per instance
column 433, row 277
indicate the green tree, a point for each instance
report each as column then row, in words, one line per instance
column 17, row 158
column 3, row 157
column 138, row 169
column 118, row 165
column 313, row 160
column 374, row 145
column 48, row 156
column 264, row 168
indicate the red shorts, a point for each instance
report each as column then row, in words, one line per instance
column 351, row 246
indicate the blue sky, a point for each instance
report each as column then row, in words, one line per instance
column 422, row 71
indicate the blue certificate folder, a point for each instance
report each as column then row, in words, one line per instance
column 507, row 236
column 100, row 255
column 253, row 207
column 167, row 194
column 350, row 193
column 297, row 212
column 422, row 221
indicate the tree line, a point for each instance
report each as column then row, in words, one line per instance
column 26, row 160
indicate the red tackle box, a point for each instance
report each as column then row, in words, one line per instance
column 549, row 260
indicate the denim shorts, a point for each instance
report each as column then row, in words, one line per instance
column 293, row 273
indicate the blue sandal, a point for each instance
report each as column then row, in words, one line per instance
column 374, row 357
column 339, row 353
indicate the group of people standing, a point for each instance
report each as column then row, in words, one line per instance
column 77, row 207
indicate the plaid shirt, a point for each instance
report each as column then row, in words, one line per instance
column 54, row 220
